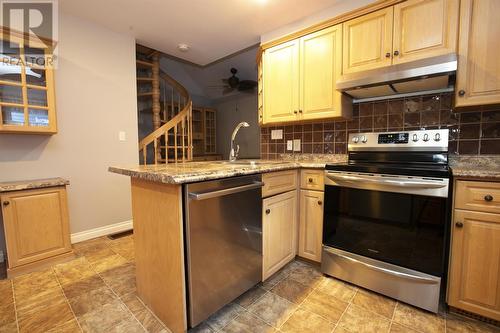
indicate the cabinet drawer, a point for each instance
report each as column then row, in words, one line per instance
column 312, row 180
column 478, row 196
column 279, row 182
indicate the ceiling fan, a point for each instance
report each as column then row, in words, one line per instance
column 234, row 83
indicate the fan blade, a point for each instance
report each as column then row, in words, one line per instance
column 227, row 90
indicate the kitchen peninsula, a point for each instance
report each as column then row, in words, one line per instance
column 159, row 227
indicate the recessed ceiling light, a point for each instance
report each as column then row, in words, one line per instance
column 183, row 47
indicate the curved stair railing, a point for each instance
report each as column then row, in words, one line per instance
column 172, row 136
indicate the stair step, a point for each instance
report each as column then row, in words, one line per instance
column 145, row 79
column 146, row 94
column 144, row 64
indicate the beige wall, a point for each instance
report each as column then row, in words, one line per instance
column 96, row 98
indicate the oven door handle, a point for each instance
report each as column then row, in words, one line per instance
column 390, row 182
column 388, row 271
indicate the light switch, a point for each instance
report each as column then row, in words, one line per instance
column 289, row 145
column 276, row 134
column 122, row 136
column 296, row 145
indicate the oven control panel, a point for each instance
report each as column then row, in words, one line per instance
column 393, row 138
column 407, row 140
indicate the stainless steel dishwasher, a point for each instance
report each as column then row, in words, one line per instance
column 224, row 242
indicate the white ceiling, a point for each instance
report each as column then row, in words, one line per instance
column 212, row 28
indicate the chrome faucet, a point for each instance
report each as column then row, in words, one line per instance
column 233, row 154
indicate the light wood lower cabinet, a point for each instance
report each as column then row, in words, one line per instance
column 311, row 224
column 279, row 225
column 36, row 226
column 475, row 263
column 474, row 274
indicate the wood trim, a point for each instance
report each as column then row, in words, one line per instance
column 159, row 243
column 380, row 4
column 39, row 265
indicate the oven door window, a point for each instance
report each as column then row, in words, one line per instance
column 402, row 229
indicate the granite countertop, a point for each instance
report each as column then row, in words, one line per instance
column 180, row 173
column 485, row 167
column 31, row 184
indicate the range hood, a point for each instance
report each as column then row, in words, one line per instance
column 431, row 75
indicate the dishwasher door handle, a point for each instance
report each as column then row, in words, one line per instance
column 226, row 191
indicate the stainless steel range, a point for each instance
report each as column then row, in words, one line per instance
column 385, row 217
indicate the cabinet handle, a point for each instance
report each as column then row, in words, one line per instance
column 320, row 202
column 300, row 111
column 6, row 203
column 461, row 93
column 396, row 53
column 310, row 180
column 459, row 224
column 268, row 211
column 388, row 55
column 295, row 111
column 488, row 197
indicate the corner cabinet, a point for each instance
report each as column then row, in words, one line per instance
column 478, row 74
column 298, row 79
column 411, row 30
column 27, row 99
column 474, row 274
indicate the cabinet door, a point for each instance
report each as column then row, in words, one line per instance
column 478, row 75
column 279, row 231
column 311, row 224
column 424, row 28
column 320, row 67
column 36, row 225
column 475, row 263
column 367, row 41
column 281, row 84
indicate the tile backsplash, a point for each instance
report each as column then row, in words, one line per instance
column 472, row 132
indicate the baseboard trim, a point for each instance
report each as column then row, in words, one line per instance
column 81, row 236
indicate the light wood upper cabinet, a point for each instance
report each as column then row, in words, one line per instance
column 368, row 41
column 299, row 79
column 36, row 225
column 281, row 82
column 279, row 231
column 478, row 74
column 475, row 263
column 424, row 28
column 320, row 67
column 311, row 224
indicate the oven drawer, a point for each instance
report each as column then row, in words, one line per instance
column 312, row 179
column 279, row 182
column 478, row 196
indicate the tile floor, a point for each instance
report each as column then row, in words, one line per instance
column 96, row 293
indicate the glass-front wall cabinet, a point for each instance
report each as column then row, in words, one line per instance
column 27, row 103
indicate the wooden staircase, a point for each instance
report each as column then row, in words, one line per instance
column 171, row 140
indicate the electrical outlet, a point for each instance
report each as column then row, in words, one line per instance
column 276, row 134
column 296, row 145
column 289, row 145
column 122, row 136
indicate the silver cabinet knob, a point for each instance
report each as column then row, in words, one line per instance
column 364, row 139
column 415, row 138
column 355, row 139
column 437, row 137
column 426, row 137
